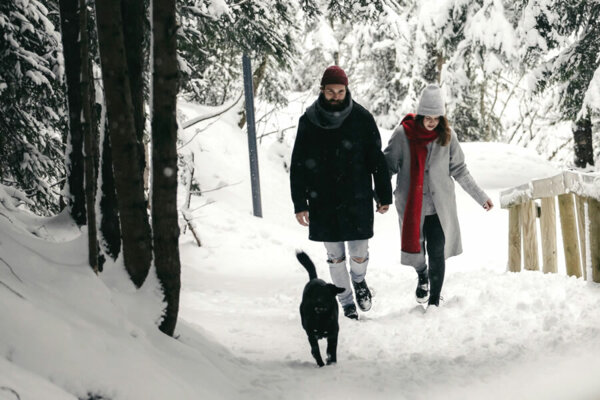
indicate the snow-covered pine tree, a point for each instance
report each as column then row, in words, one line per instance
column 571, row 30
column 478, row 41
column 214, row 36
column 31, row 102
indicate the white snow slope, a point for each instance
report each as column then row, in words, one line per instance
column 66, row 333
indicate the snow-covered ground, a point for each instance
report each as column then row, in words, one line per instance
column 66, row 333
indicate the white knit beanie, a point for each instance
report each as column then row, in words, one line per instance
column 431, row 102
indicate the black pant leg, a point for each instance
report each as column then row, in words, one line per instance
column 435, row 242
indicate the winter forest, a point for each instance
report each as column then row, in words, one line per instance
column 132, row 266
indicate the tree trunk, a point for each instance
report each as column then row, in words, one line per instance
column 439, row 61
column 164, row 158
column 257, row 78
column 69, row 23
column 109, row 209
column 582, row 134
column 88, row 126
column 134, row 30
column 135, row 228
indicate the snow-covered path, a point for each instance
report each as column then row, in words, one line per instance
column 66, row 333
column 498, row 335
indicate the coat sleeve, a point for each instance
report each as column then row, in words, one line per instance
column 460, row 173
column 393, row 152
column 298, row 184
column 378, row 166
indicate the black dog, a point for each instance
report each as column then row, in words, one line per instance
column 319, row 312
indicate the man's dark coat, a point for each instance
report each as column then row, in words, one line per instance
column 332, row 176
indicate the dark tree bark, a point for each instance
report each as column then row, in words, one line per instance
column 69, row 23
column 584, row 150
column 109, row 221
column 135, row 228
column 164, row 158
column 88, row 127
column 134, row 30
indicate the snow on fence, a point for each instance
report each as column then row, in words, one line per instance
column 578, row 197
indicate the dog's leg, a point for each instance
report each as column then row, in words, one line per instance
column 332, row 348
column 314, row 349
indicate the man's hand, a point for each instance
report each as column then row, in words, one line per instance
column 382, row 209
column 488, row 205
column 302, row 218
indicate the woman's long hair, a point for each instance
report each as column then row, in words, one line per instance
column 443, row 129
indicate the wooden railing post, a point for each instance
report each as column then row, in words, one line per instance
column 530, row 246
column 566, row 206
column 514, row 238
column 577, row 192
column 594, row 220
column 580, row 204
column 548, row 233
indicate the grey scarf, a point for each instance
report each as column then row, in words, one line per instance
column 326, row 119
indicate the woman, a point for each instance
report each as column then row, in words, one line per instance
column 425, row 154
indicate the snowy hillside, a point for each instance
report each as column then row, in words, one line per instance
column 67, row 334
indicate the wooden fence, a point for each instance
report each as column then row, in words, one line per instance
column 578, row 197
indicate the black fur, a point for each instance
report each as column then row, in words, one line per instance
column 319, row 312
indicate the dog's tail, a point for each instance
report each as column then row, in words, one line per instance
column 308, row 264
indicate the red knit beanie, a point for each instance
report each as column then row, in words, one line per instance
column 334, row 75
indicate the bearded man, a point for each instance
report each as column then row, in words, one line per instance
column 335, row 161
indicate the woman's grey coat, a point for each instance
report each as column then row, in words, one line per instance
column 443, row 164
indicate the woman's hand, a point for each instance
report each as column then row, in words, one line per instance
column 488, row 205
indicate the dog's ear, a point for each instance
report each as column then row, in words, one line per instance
column 334, row 289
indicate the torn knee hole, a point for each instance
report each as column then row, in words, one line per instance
column 336, row 260
column 359, row 260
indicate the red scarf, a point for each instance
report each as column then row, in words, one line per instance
column 418, row 139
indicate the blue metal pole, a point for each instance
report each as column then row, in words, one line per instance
column 250, row 122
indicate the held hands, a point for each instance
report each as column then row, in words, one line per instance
column 382, row 209
column 302, row 218
column 488, row 205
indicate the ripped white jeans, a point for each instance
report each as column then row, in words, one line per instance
column 336, row 258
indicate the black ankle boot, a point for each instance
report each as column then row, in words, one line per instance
column 422, row 292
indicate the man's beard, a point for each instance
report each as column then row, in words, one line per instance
column 334, row 105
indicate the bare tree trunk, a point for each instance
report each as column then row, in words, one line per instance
column 134, row 30
column 69, row 23
column 164, row 158
column 439, row 61
column 135, row 228
column 109, row 209
column 584, row 151
column 88, row 127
